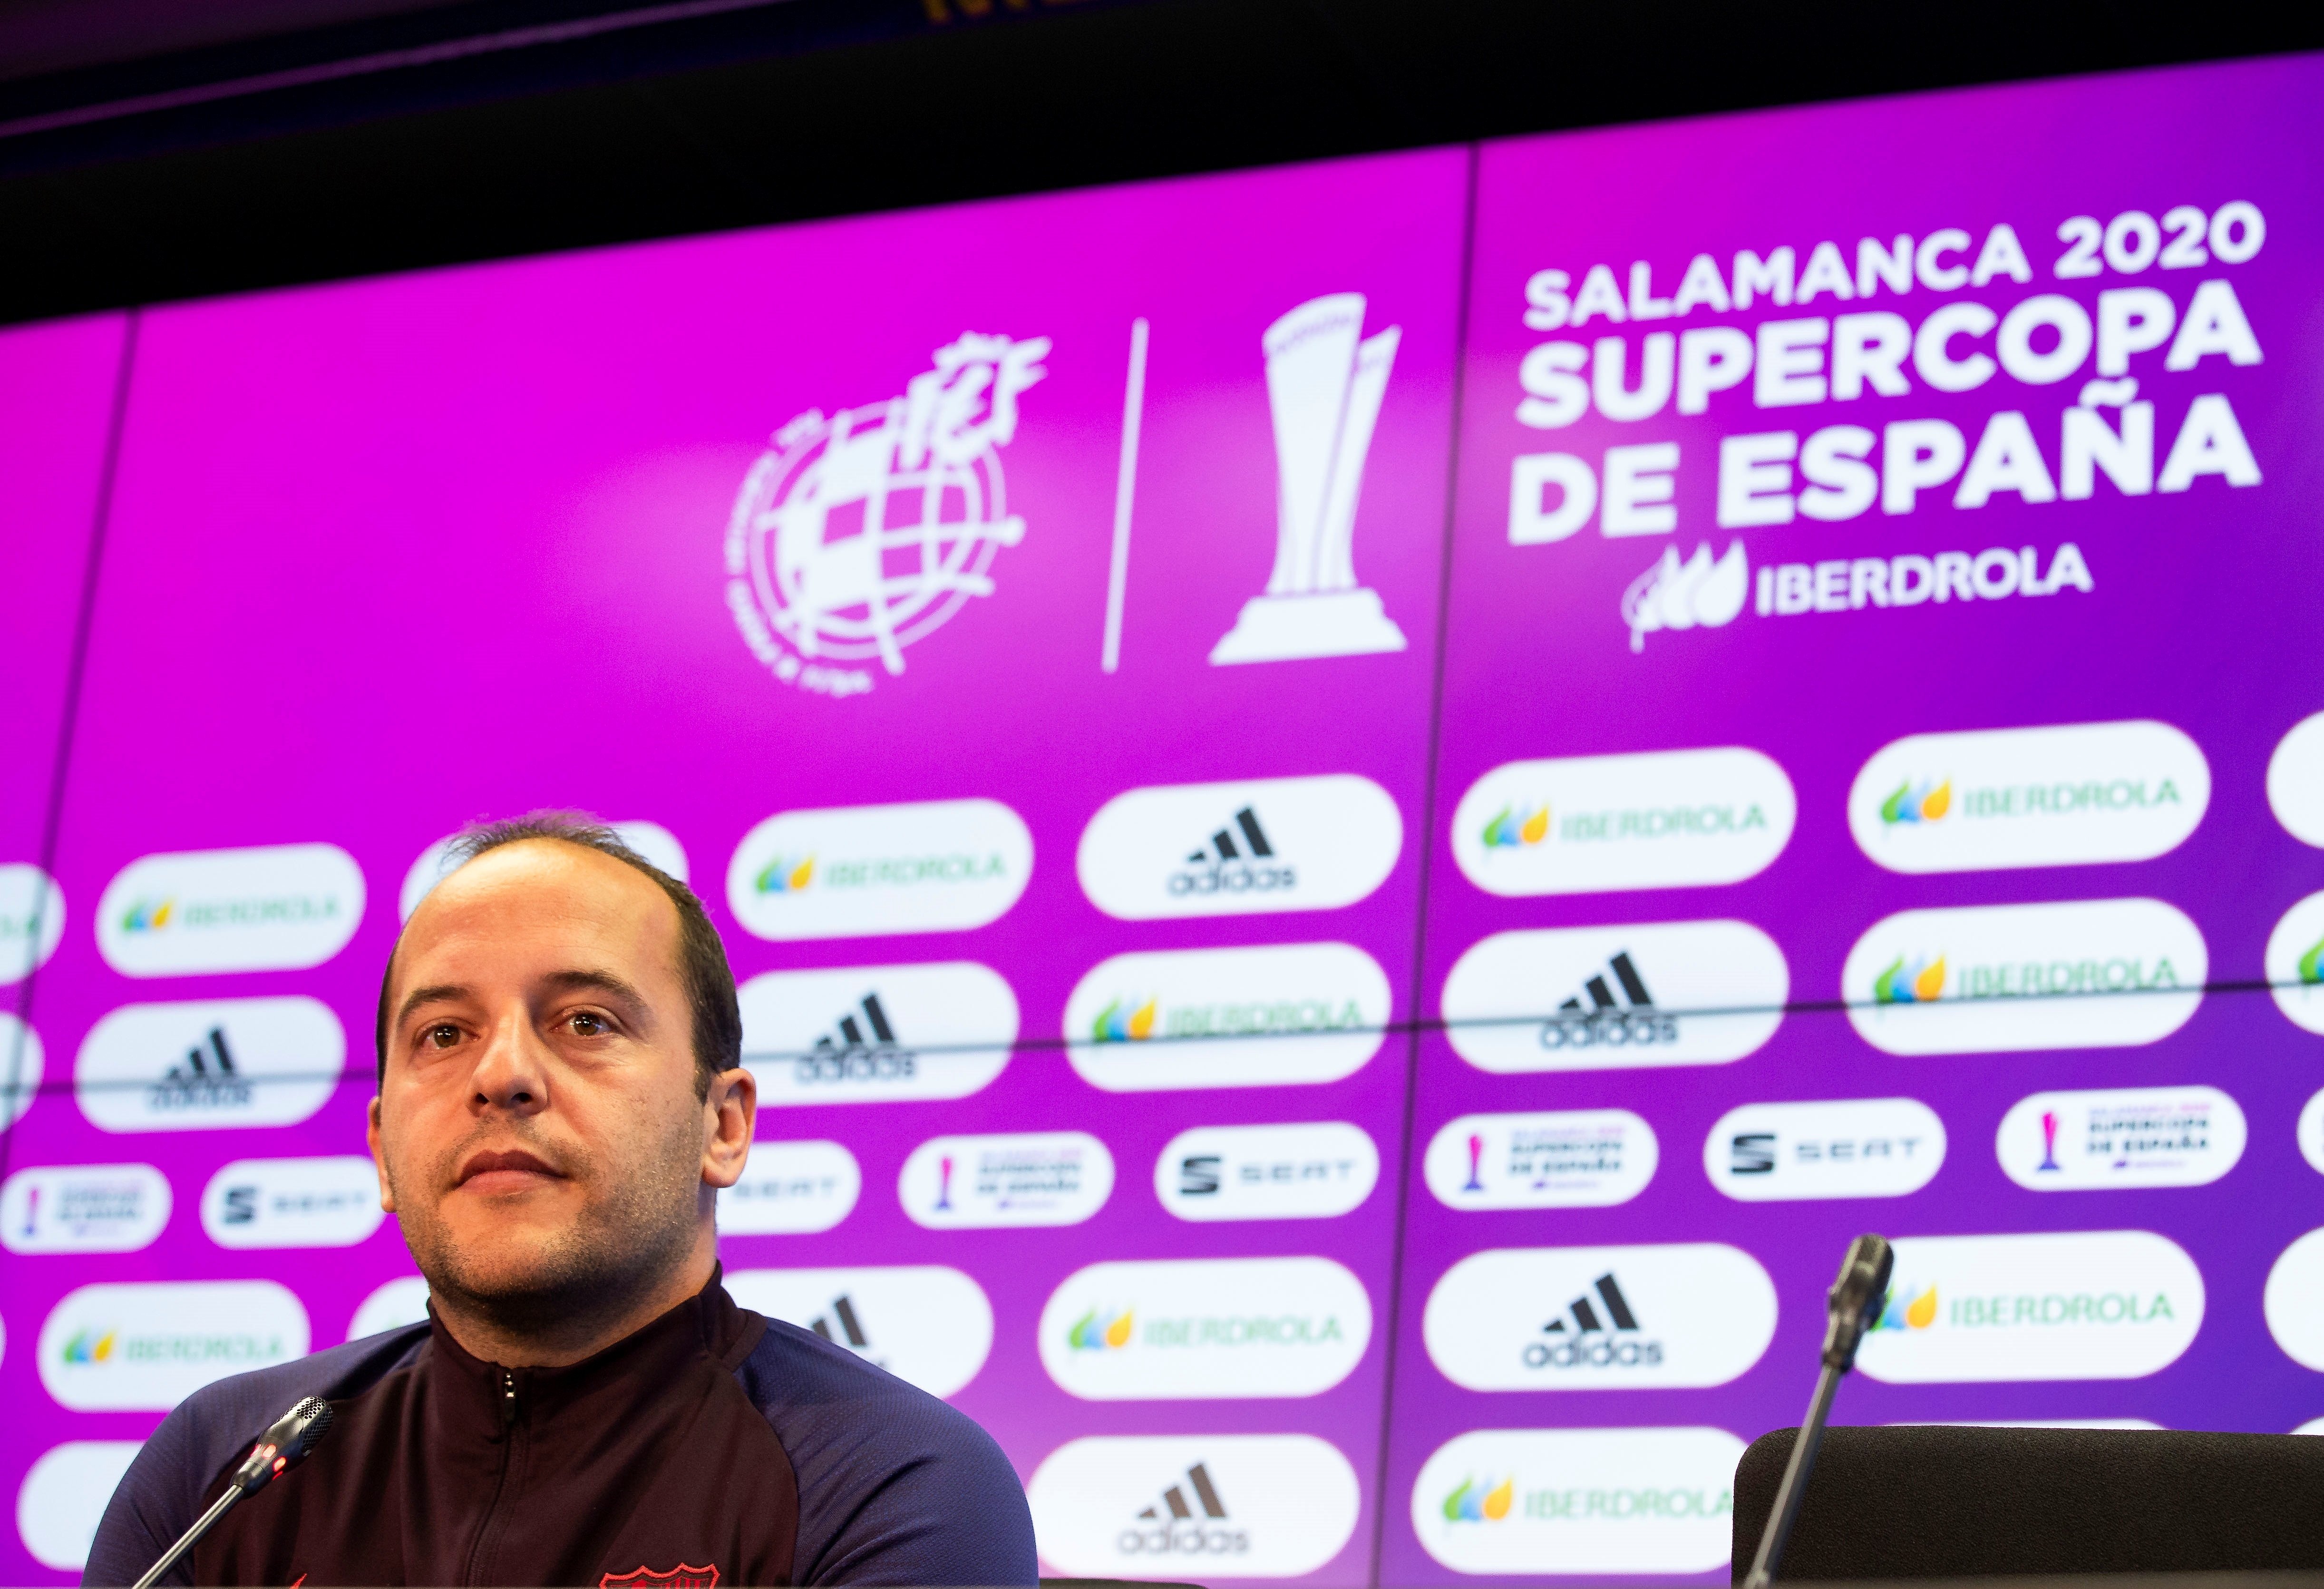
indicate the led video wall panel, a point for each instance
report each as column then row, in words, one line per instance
column 1363, row 810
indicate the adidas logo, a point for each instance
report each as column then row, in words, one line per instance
column 205, row 1078
column 1581, row 1337
column 860, row 1047
column 1597, row 1017
column 1171, row 1527
column 840, row 1326
column 1237, row 859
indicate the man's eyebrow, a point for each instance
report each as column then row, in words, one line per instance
column 441, row 992
column 604, row 982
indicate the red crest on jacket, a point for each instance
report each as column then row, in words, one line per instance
column 681, row 1576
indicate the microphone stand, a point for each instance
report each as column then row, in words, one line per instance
column 1854, row 1301
column 283, row 1447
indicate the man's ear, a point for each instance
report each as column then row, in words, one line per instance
column 730, row 1114
column 378, row 1157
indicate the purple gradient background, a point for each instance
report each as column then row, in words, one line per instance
column 386, row 556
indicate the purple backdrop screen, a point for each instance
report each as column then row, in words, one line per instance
column 1363, row 810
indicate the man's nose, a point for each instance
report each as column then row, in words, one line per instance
column 510, row 1072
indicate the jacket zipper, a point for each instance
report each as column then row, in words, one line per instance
column 508, row 1421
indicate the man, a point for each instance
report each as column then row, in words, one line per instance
column 560, row 1097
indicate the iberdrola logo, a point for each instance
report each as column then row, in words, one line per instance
column 1516, row 829
column 1480, row 1503
column 2311, row 964
column 783, row 876
column 1917, row 803
column 1918, row 981
column 148, row 916
column 1101, row 1332
column 1912, row 1310
column 1125, row 1021
column 88, row 1346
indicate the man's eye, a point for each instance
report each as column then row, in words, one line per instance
column 443, row 1035
column 588, row 1025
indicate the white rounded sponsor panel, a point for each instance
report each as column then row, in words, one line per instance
column 2293, row 1301
column 1568, row 1502
column 2070, row 795
column 1580, row 824
column 144, row 1348
column 84, row 1208
column 1239, row 849
column 1990, row 979
column 1315, row 1170
column 63, row 1499
column 23, row 1062
column 2073, row 1305
column 2295, row 780
column 1550, row 1159
column 1270, row 1015
column 1599, row 1318
column 2108, row 1137
column 791, row 1189
column 32, row 920
column 325, row 1202
column 2295, row 964
column 392, row 1306
column 875, row 1034
column 214, row 1064
column 1199, row 1329
column 273, row 908
column 1832, row 1148
column 1010, row 1178
column 1210, row 1506
column 923, row 1322
column 2310, row 1128
column 866, row 871
column 1596, row 998
column 651, row 840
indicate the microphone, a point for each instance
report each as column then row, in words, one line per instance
column 284, row 1445
column 1854, row 1301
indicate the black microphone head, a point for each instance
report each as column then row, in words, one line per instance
column 1856, row 1297
column 285, row 1443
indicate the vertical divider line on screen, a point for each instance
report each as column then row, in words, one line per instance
column 52, row 819
column 1417, row 991
column 1125, row 489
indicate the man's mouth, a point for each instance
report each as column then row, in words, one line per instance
column 505, row 1171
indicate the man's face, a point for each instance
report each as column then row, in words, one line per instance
column 538, row 1131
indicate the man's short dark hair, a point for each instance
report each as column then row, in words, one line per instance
column 701, row 955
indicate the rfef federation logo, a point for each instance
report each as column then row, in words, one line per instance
column 857, row 535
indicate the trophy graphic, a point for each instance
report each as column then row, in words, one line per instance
column 1325, row 383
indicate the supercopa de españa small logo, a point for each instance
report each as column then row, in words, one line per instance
column 858, row 534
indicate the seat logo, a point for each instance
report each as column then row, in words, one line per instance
column 2092, row 1305
column 1554, row 1159
column 2068, row 796
column 791, row 1189
column 856, row 536
column 323, row 1201
column 1983, row 979
column 877, row 1033
column 1832, row 1148
column 924, row 1324
column 1595, row 824
column 1690, row 1314
column 1597, row 998
column 1239, row 849
column 1232, row 1506
column 1538, row 1503
column 1229, row 1172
